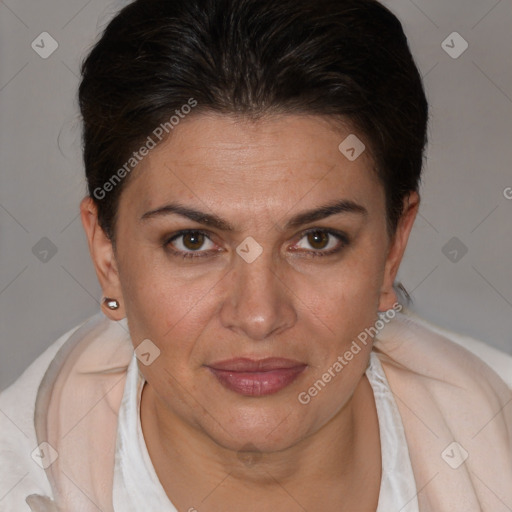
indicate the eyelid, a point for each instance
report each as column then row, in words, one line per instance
column 331, row 231
column 340, row 235
column 189, row 254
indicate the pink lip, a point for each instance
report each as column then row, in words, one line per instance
column 251, row 377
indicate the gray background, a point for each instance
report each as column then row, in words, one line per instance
column 464, row 203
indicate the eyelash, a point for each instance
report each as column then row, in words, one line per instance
column 342, row 237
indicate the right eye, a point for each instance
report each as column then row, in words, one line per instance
column 187, row 244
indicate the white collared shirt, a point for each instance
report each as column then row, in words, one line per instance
column 137, row 487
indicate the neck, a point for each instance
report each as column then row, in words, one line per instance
column 334, row 458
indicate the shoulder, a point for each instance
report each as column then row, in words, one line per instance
column 456, row 411
column 446, row 363
column 20, row 475
column 429, row 350
column 87, row 347
column 496, row 359
column 444, row 383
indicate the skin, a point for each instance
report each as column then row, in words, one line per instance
column 213, row 449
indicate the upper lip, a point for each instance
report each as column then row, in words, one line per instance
column 244, row 364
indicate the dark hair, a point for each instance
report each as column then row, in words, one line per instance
column 347, row 59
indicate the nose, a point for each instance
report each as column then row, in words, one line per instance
column 259, row 304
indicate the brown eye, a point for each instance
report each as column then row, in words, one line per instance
column 193, row 240
column 318, row 239
column 190, row 244
column 321, row 242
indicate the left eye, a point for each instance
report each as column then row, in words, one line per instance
column 322, row 241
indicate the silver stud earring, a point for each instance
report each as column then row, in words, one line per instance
column 112, row 304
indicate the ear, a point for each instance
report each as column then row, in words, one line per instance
column 396, row 250
column 103, row 257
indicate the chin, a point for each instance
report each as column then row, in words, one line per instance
column 270, row 430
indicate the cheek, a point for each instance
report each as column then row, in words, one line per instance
column 164, row 308
column 172, row 309
column 348, row 305
column 347, row 295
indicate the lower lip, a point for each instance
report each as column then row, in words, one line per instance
column 257, row 383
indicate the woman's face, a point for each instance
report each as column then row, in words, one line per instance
column 263, row 273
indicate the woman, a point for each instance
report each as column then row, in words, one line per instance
column 253, row 170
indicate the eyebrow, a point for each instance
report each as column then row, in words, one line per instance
column 305, row 217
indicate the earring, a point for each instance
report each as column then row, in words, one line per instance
column 112, row 304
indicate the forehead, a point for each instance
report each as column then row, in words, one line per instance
column 278, row 158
